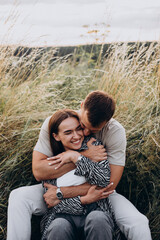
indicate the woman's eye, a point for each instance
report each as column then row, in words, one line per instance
column 67, row 133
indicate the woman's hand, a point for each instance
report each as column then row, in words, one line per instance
column 63, row 158
column 94, row 194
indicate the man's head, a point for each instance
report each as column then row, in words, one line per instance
column 97, row 109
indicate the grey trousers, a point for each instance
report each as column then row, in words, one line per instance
column 25, row 201
column 97, row 226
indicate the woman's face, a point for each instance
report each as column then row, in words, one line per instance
column 70, row 134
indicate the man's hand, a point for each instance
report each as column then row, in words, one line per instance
column 63, row 158
column 95, row 153
column 95, row 194
column 50, row 196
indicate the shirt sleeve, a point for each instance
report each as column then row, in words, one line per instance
column 97, row 173
column 116, row 150
column 43, row 143
column 113, row 138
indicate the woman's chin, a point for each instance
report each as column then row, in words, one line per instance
column 76, row 147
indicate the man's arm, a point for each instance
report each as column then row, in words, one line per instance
column 74, row 191
column 50, row 196
column 113, row 138
column 51, row 199
column 43, row 171
column 116, row 174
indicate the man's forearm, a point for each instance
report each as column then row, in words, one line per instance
column 43, row 171
column 116, row 174
column 81, row 190
column 46, row 172
column 74, row 191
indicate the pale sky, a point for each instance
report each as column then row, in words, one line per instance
column 73, row 22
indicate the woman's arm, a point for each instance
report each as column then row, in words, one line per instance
column 70, row 206
column 96, row 173
column 94, row 194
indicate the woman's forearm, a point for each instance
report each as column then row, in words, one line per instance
column 96, row 173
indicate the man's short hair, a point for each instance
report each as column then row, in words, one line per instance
column 100, row 107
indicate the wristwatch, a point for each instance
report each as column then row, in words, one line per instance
column 59, row 194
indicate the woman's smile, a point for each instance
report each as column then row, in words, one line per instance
column 76, row 141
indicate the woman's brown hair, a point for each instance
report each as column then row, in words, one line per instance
column 54, row 123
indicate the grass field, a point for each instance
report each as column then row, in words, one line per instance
column 35, row 84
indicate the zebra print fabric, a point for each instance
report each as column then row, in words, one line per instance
column 96, row 173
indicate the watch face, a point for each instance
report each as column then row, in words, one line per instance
column 59, row 195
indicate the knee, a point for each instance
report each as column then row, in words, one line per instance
column 138, row 228
column 138, row 221
column 136, row 225
column 142, row 220
column 56, row 231
column 96, row 218
column 57, row 223
column 16, row 196
column 98, row 225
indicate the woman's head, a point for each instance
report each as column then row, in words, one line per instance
column 65, row 131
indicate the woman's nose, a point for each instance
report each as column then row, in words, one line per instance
column 75, row 134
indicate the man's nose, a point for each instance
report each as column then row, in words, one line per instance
column 86, row 131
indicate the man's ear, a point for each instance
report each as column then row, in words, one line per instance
column 55, row 136
column 82, row 104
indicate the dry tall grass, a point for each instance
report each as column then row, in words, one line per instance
column 34, row 85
